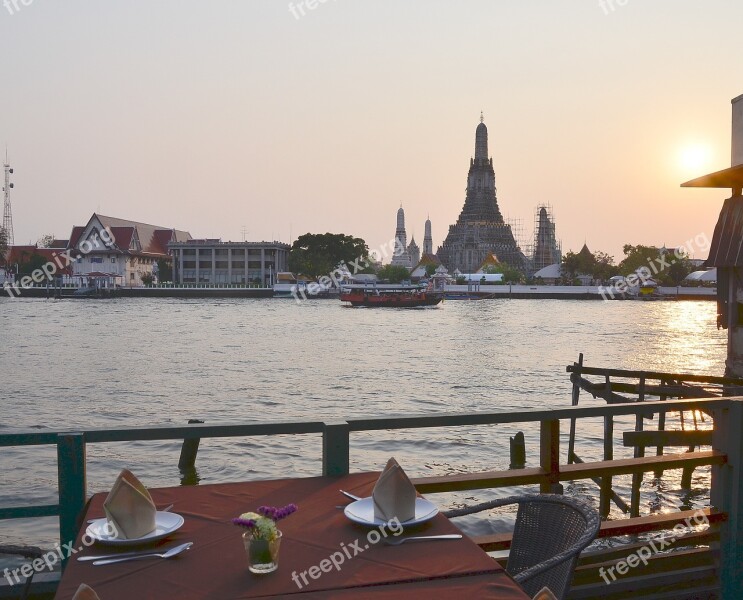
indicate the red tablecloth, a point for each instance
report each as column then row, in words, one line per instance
column 216, row 566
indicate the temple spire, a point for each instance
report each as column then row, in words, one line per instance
column 481, row 141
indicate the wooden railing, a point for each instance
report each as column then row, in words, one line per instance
column 725, row 457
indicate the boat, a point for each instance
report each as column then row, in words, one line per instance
column 390, row 297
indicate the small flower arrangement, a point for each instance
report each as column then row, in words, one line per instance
column 262, row 524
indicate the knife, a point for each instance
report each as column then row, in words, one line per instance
column 123, row 554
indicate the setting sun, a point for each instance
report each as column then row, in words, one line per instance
column 695, row 158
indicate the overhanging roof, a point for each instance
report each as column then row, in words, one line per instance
column 727, row 178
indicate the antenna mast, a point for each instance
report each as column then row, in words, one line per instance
column 7, row 212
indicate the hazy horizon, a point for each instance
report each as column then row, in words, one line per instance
column 214, row 117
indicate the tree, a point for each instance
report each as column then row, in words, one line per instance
column 147, row 278
column 45, row 241
column 393, row 273
column 510, row 274
column 320, row 254
column 29, row 263
column 598, row 265
column 3, row 245
column 430, row 269
column 164, row 270
column 666, row 267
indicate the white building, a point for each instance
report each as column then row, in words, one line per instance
column 118, row 251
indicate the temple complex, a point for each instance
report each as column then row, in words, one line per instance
column 480, row 229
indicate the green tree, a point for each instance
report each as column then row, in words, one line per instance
column 164, row 270
column 147, row 278
column 45, row 241
column 3, row 245
column 430, row 270
column 598, row 265
column 510, row 274
column 393, row 273
column 29, row 263
column 316, row 254
column 666, row 267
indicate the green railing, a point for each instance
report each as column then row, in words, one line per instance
column 725, row 457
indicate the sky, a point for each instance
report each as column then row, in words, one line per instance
column 267, row 119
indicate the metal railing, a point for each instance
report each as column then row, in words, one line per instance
column 725, row 458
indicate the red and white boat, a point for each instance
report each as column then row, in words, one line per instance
column 390, row 297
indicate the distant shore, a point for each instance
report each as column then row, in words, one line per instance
column 452, row 292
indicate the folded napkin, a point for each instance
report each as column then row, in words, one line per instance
column 129, row 507
column 545, row 594
column 394, row 495
column 85, row 592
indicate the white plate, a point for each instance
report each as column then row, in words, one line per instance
column 165, row 524
column 362, row 512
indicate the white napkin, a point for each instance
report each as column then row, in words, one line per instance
column 129, row 507
column 85, row 592
column 394, row 495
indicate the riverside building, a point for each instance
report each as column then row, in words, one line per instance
column 216, row 262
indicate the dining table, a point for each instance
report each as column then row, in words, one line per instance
column 216, row 568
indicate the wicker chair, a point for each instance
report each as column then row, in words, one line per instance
column 30, row 553
column 551, row 531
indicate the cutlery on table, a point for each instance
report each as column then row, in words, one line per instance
column 349, row 495
column 168, row 554
column 421, row 538
column 88, row 558
column 166, row 509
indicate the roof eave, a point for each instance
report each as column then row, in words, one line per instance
column 731, row 178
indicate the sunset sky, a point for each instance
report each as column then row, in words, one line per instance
column 214, row 116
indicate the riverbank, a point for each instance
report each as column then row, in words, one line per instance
column 452, row 292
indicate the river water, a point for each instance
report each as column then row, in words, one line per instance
column 112, row 363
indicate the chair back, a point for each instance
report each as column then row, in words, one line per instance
column 544, row 529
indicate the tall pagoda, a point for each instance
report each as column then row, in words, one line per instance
column 480, row 229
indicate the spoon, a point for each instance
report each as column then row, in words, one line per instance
column 170, row 553
column 422, row 538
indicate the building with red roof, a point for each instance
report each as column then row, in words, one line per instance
column 119, row 250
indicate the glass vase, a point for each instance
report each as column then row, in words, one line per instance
column 263, row 555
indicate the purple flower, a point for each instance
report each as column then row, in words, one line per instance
column 249, row 523
column 276, row 514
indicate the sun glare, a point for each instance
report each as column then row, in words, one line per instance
column 695, row 158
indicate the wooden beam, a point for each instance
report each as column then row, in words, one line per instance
column 657, row 375
column 482, row 480
column 641, row 465
column 493, row 479
column 619, row 527
column 667, row 438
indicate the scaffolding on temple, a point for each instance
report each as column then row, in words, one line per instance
column 546, row 249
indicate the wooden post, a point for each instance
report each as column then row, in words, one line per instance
column 661, row 427
column 518, row 451
column 189, row 449
column 575, row 376
column 639, row 453
column 549, row 455
column 727, row 495
column 72, row 484
column 335, row 448
column 606, row 490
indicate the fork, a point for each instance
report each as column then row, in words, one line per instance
column 422, row 538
